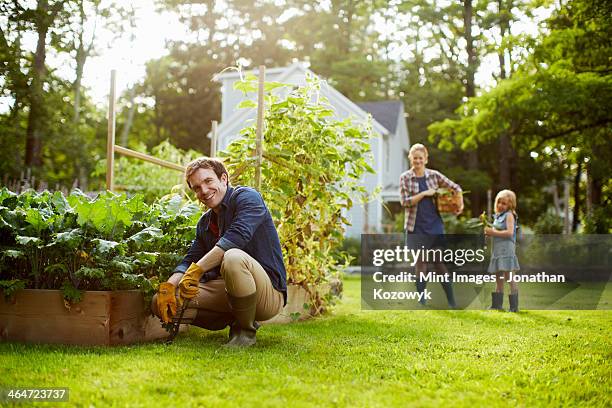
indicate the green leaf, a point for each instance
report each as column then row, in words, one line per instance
column 39, row 218
column 136, row 204
column 57, row 268
column 121, row 266
column 190, row 210
column 269, row 86
column 60, row 203
column 28, row 241
column 70, row 239
column 5, row 193
column 172, row 205
column 245, row 86
column 90, row 273
column 146, row 258
column 70, row 293
column 148, row 234
column 10, row 287
column 105, row 247
column 12, row 253
column 108, row 213
column 247, row 103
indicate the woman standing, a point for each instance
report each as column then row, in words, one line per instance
column 418, row 185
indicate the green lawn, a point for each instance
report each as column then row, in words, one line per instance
column 348, row 358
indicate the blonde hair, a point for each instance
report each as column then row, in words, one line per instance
column 510, row 199
column 418, row 147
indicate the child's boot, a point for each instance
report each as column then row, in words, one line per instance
column 513, row 302
column 497, row 301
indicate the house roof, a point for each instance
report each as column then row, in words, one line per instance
column 234, row 74
column 238, row 118
column 385, row 112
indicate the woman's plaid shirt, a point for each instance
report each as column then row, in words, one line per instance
column 409, row 186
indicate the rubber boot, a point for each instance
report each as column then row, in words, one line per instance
column 497, row 301
column 513, row 302
column 243, row 309
column 450, row 295
column 235, row 329
column 420, row 286
column 210, row 320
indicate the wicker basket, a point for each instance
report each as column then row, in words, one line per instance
column 448, row 201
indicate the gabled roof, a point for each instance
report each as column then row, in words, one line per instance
column 238, row 118
column 269, row 71
column 385, row 112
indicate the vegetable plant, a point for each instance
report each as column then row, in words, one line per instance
column 76, row 242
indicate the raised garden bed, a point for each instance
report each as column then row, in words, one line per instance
column 106, row 318
column 300, row 303
column 294, row 310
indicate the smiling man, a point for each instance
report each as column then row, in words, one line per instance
column 233, row 273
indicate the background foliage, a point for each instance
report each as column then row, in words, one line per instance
column 520, row 110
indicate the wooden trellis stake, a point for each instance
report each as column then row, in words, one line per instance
column 213, row 139
column 110, row 140
column 259, row 133
column 111, row 148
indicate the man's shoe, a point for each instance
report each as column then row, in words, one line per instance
column 243, row 332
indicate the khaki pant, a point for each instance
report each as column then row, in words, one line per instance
column 241, row 276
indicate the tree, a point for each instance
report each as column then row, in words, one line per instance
column 341, row 46
column 558, row 99
column 40, row 125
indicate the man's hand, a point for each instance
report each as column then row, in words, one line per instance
column 166, row 301
column 188, row 286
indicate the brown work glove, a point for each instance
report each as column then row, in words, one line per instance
column 166, row 301
column 188, row 286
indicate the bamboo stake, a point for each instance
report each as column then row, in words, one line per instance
column 259, row 134
column 566, row 196
column 213, row 139
column 110, row 141
column 150, row 159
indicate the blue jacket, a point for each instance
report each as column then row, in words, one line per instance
column 244, row 223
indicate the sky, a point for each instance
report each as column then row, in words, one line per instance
column 129, row 52
column 127, row 57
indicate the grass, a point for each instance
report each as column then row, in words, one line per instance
column 348, row 358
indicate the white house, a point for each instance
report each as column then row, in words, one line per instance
column 389, row 146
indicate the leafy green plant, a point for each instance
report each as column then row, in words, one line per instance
column 599, row 221
column 548, row 223
column 456, row 225
column 351, row 247
column 76, row 243
column 311, row 174
column 9, row 287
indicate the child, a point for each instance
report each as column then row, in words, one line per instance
column 503, row 257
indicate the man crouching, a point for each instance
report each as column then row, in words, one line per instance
column 233, row 273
